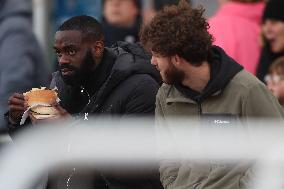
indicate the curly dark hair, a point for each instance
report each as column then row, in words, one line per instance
column 178, row 29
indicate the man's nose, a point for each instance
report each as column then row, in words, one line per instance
column 153, row 61
column 63, row 60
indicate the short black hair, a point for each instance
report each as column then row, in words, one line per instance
column 87, row 25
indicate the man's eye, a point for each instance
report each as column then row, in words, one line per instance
column 71, row 52
column 58, row 53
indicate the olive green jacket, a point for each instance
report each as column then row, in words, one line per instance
column 244, row 97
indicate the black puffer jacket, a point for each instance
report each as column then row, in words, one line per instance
column 124, row 84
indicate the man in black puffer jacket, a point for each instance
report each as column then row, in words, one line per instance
column 94, row 80
column 123, row 83
column 117, row 80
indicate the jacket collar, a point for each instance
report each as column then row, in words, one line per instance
column 222, row 69
column 173, row 95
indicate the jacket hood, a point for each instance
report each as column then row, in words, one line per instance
column 14, row 7
column 225, row 69
column 222, row 69
column 132, row 59
column 251, row 11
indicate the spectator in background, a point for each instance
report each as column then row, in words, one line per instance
column 236, row 28
column 121, row 20
column 151, row 6
column 273, row 33
column 275, row 79
column 21, row 61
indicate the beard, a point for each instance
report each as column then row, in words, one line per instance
column 172, row 75
column 80, row 75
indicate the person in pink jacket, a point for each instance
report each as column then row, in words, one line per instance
column 236, row 28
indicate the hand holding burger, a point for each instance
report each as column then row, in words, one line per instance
column 42, row 103
column 17, row 105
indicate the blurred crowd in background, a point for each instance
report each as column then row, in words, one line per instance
column 250, row 33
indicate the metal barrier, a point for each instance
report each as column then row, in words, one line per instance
column 134, row 141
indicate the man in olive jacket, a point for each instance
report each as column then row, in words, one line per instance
column 201, row 81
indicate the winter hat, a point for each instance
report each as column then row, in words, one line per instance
column 274, row 10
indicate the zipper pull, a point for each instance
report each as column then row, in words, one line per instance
column 82, row 89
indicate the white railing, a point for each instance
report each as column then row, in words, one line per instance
column 133, row 141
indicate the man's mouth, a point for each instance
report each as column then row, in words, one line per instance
column 66, row 71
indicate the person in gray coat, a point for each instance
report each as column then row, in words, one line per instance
column 21, row 60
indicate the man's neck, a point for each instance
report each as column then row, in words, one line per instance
column 197, row 77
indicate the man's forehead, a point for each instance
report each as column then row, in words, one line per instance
column 156, row 54
column 73, row 36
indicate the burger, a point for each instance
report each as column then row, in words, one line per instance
column 40, row 101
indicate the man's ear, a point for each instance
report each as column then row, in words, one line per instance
column 176, row 60
column 98, row 49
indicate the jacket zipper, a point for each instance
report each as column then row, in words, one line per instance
column 198, row 101
column 86, row 92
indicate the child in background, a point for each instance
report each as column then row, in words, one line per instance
column 275, row 79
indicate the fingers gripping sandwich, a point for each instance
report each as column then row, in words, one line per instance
column 40, row 101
